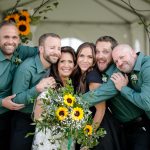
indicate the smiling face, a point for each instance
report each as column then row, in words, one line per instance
column 85, row 59
column 65, row 65
column 51, row 49
column 9, row 39
column 103, row 55
column 124, row 57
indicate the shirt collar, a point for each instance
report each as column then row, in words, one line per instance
column 138, row 63
column 4, row 63
column 2, row 57
column 39, row 65
column 111, row 68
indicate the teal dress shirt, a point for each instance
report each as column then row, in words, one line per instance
column 27, row 76
column 138, row 91
column 7, row 70
column 122, row 109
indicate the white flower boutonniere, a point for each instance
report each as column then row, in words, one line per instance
column 134, row 78
column 16, row 58
column 17, row 61
column 104, row 78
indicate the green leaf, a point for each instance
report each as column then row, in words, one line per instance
column 29, row 134
column 56, row 4
column 35, row 20
column 29, row 36
column 45, row 17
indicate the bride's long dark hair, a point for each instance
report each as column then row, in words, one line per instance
column 54, row 71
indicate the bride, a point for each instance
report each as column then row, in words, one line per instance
column 62, row 71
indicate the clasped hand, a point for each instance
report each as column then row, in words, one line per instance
column 119, row 80
column 45, row 84
column 9, row 104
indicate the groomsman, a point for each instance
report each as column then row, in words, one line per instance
column 11, row 55
column 28, row 83
column 126, row 112
column 135, row 87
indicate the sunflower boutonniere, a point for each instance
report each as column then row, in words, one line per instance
column 134, row 78
column 104, row 78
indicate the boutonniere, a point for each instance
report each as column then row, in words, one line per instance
column 134, row 78
column 104, row 78
column 16, row 60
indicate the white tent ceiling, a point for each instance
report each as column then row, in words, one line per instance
column 88, row 11
column 89, row 19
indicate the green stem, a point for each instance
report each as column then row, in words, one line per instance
column 70, row 139
column 16, row 5
column 69, row 143
column 42, row 5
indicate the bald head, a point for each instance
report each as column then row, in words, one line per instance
column 124, row 57
column 123, row 47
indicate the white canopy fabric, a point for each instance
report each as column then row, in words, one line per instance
column 89, row 19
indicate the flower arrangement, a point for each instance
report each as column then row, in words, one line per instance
column 134, row 78
column 16, row 59
column 104, row 78
column 23, row 19
column 66, row 114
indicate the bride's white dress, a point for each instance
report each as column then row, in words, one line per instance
column 42, row 140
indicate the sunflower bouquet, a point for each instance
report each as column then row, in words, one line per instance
column 67, row 115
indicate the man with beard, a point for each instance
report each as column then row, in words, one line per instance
column 11, row 55
column 135, row 87
column 28, row 83
column 125, row 111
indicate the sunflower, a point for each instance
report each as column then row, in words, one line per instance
column 24, row 16
column 23, row 27
column 69, row 100
column 62, row 113
column 88, row 130
column 77, row 113
column 13, row 17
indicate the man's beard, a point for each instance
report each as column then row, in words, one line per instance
column 8, row 51
column 51, row 60
column 102, row 71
